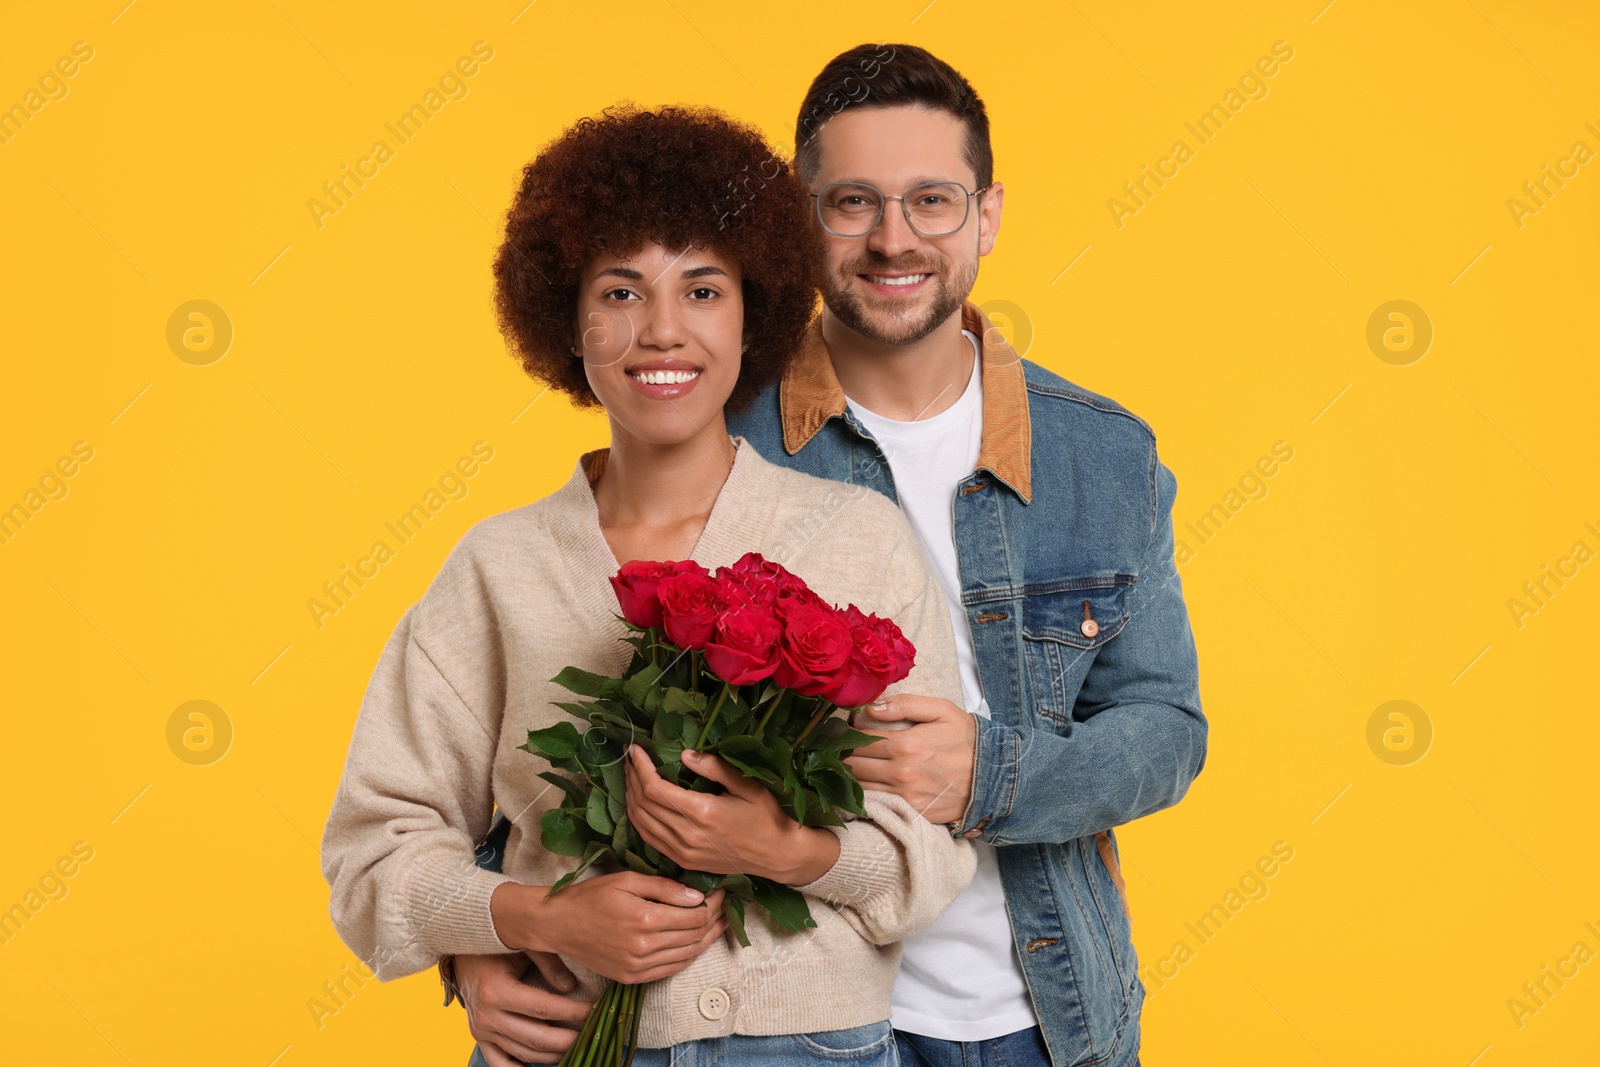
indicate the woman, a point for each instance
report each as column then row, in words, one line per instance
column 657, row 264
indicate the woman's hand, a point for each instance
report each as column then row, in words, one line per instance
column 743, row 831
column 630, row 927
column 512, row 1020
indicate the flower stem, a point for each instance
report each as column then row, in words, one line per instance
column 576, row 1054
column 762, row 725
column 636, row 1009
column 705, row 730
column 823, row 707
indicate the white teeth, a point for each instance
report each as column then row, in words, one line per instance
column 666, row 377
column 904, row 279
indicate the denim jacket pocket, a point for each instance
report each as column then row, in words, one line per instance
column 1081, row 612
column 1064, row 624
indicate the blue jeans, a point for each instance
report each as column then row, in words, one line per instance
column 872, row 1045
column 1025, row 1048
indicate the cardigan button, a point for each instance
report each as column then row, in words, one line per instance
column 714, row 1003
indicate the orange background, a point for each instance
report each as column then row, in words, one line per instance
column 1429, row 879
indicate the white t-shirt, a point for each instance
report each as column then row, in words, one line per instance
column 960, row 979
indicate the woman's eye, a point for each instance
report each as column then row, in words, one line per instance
column 621, row 294
column 704, row 293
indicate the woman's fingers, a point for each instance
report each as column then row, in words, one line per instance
column 723, row 773
column 666, row 964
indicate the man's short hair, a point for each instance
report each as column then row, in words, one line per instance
column 891, row 75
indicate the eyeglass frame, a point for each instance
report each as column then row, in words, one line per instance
column 884, row 199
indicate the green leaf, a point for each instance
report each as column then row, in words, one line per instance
column 622, row 836
column 739, row 885
column 706, row 883
column 560, row 833
column 636, row 686
column 750, row 770
column 637, row 863
column 553, row 742
column 785, row 904
column 834, row 734
column 575, row 791
column 733, row 908
column 585, row 683
column 616, row 788
column 596, row 853
column 597, row 813
column 682, row 702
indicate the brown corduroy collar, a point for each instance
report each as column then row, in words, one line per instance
column 810, row 394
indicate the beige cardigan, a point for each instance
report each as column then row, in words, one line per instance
column 465, row 677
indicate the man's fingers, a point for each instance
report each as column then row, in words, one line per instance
column 525, row 1037
column 869, row 769
column 554, row 971
column 537, row 1004
column 493, row 1056
column 881, row 749
column 910, row 707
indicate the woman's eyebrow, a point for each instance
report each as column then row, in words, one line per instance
column 703, row 272
column 622, row 272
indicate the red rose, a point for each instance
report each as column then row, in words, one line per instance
column 690, row 604
column 745, row 646
column 816, row 646
column 746, row 589
column 880, row 655
column 637, row 585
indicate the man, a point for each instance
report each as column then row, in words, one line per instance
column 1046, row 516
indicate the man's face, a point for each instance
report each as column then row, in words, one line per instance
column 895, row 286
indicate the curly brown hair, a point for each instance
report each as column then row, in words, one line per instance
column 685, row 177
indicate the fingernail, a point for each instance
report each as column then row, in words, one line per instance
column 695, row 896
column 691, row 756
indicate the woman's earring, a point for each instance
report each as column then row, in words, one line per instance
column 572, row 349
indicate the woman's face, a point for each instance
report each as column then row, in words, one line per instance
column 660, row 335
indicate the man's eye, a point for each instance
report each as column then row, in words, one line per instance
column 933, row 200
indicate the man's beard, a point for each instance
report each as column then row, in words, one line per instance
column 901, row 328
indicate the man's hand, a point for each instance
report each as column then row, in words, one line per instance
column 631, row 927
column 514, row 1021
column 743, row 831
column 928, row 760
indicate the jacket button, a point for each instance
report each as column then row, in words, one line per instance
column 1089, row 627
column 972, row 833
column 714, row 1003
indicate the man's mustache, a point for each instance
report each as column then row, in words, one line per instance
column 879, row 265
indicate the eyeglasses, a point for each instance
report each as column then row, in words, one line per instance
column 932, row 209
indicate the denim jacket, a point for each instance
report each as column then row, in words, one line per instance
column 1065, row 542
column 1084, row 652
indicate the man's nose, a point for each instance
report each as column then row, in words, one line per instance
column 893, row 235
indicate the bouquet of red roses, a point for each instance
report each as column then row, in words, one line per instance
column 746, row 664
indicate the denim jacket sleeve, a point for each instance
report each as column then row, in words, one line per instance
column 1137, row 736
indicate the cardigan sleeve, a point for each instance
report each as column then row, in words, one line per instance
column 896, row 870
column 415, row 796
